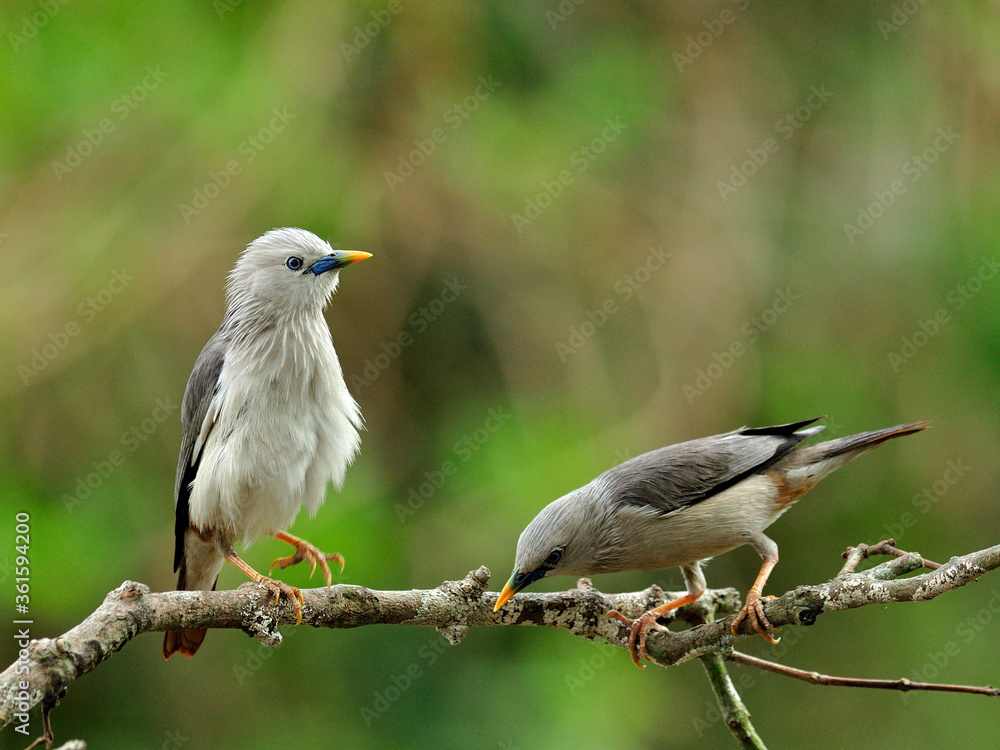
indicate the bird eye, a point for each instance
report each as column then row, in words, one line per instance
column 554, row 557
column 294, row 263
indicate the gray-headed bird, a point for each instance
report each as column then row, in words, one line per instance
column 680, row 506
column 267, row 419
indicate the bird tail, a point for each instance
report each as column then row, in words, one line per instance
column 199, row 571
column 812, row 463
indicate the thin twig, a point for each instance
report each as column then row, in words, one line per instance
column 47, row 737
column 854, row 555
column 815, row 678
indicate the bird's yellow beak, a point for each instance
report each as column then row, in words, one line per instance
column 506, row 595
column 352, row 256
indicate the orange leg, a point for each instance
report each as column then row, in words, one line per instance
column 275, row 587
column 305, row 551
column 753, row 610
column 640, row 627
column 694, row 581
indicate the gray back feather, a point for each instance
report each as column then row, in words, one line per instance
column 677, row 476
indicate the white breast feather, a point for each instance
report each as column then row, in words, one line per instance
column 284, row 426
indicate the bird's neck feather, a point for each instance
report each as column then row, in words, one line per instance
column 285, row 339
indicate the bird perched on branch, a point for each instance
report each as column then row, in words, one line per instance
column 267, row 419
column 679, row 506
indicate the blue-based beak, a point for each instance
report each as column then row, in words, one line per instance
column 337, row 259
column 517, row 582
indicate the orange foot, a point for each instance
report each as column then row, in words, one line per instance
column 754, row 611
column 305, row 551
column 291, row 593
column 275, row 587
column 638, row 632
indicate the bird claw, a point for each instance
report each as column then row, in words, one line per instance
column 638, row 632
column 291, row 593
column 314, row 556
column 753, row 611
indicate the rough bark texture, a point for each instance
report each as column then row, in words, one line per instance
column 453, row 607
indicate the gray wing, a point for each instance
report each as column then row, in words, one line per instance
column 678, row 476
column 201, row 389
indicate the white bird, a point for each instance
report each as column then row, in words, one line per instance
column 268, row 421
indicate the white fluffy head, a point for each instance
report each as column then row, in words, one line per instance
column 287, row 271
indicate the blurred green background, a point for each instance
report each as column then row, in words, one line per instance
column 664, row 220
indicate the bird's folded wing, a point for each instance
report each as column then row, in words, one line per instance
column 678, row 476
column 197, row 417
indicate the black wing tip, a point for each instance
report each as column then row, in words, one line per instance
column 781, row 430
column 182, row 520
column 178, row 551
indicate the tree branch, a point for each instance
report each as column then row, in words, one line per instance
column 801, row 606
column 854, row 555
column 734, row 712
column 453, row 607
